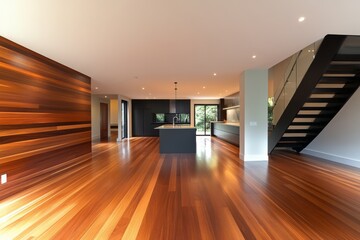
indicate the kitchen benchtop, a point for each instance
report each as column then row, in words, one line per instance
column 228, row 123
column 177, row 126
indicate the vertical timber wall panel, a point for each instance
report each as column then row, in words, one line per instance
column 45, row 115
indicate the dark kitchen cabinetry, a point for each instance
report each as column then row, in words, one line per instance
column 144, row 112
column 226, row 131
column 137, row 118
column 183, row 106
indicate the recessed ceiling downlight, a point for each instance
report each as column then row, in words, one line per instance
column 214, row 74
column 301, row 19
column 253, row 56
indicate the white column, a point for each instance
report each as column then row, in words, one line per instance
column 253, row 115
column 119, row 118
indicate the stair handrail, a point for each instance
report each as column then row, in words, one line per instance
column 288, row 76
column 292, row 74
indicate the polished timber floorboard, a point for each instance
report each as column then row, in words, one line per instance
column 128, row 190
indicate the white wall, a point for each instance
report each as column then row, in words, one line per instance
column 340, row 140
column 200, row 101
column 114, row 112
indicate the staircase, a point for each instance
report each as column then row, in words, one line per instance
column 330, row 81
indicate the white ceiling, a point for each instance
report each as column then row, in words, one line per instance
column 125, row 45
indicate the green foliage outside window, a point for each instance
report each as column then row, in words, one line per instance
column 204, row 114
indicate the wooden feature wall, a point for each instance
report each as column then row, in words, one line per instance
column 45, row 116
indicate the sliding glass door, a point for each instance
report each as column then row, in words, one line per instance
column 204, row 114
column 124, row 119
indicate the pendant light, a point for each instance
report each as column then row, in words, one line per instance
column 175, row 89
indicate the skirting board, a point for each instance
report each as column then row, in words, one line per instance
column 248, row 157
column 333, row 158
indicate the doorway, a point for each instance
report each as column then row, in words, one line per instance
column 104, row 121
column 124, row 119
column 204, row 114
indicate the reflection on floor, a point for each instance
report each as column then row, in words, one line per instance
column 128, row 190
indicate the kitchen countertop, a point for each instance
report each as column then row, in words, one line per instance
column 177, row 126
column 229, row 123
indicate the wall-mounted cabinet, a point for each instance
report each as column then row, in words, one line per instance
column 232, row 101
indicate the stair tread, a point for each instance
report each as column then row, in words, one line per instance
column 326, row 100
column 307, row 131
column 290, row 145
column 344, row 65
column 320, row 115
column 336, row 80
column 296, row 139
column 347, row 57
column 344, row 62
column 343, row 69
column 325, row 108
column 323, row 123
column 333, row 90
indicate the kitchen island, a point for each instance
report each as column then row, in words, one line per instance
column 178, row 138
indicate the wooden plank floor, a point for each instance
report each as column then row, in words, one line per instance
column 128, row 190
